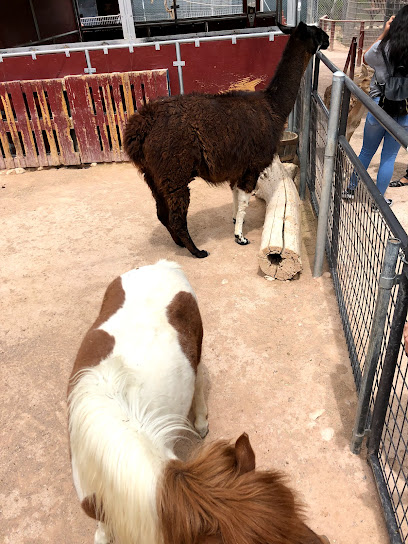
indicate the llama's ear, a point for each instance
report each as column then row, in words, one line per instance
column 245, row 454
column 286, row 29
column 364, row 70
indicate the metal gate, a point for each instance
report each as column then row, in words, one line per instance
column 72, row 120
column 367, row 251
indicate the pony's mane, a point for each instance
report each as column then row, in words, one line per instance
column 209, row 495
column 119, row 447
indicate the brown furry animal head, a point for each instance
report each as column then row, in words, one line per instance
column 217, row 497
column 317, row 38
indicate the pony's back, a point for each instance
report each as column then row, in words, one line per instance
column 130, row 391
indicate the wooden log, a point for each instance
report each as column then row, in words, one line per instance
column 279, row 255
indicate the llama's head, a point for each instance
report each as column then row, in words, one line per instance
column 218, row 497
column 313, row 37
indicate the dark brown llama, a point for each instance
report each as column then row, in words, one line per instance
column 224, row 137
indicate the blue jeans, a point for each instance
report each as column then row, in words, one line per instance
column 373, row 134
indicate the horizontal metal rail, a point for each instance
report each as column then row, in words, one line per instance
column 103, row 46
column 395, row 226
column 398, row 132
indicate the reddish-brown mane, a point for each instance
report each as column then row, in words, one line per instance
column 212, row 494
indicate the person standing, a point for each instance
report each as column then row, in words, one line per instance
column 393, row 44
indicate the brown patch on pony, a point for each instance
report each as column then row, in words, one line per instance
column 209, row 496
column 112, row 301
column 98, row 344
column 90, row 508
column 183, row 314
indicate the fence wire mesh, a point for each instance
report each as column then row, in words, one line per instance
column 357, row 236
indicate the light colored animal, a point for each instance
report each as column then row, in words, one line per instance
column 356, row 108
column 135, row 377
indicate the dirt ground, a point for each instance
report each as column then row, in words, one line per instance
column 274, row 352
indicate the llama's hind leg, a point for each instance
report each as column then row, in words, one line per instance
column 234, row 190
column 243, row 201
column 163, row 216
column 178, row 202
column 199, row 405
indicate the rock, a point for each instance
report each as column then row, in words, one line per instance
column 13, row 171
column 93, row 163
column 40, row 168
column 224, row 282
column 315, row 415
column 327, row 434
column 326, row 275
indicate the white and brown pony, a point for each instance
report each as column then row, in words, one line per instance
column 136, row 375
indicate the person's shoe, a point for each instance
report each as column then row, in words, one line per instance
column 348, row 194
column 374, row 206
column 399, row 182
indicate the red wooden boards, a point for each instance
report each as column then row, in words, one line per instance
column 77, row 119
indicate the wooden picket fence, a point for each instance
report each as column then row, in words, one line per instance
column 72, row 120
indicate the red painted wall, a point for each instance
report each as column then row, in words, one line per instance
column 212, row 67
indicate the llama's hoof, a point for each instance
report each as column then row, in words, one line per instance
column 201, row 254
column 241, row 240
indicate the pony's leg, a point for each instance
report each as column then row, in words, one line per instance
column 178, row 202
column 100, row 535
column 199, row 405
column 243, row 201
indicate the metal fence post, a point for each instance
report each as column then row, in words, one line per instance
column 389, row 365
column 385, row 285
column 328, row 171
column 304, row 156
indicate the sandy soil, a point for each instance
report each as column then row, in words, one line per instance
column 274, row 352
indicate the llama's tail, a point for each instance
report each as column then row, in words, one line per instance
column 117, row 449
column 134, row 137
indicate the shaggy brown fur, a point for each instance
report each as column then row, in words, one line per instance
column 231, row 136
column 219, row 498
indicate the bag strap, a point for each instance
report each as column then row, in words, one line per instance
column 387, row 62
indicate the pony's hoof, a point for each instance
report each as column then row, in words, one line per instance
column 201, row 427
column 201, row 254
column 241, row 240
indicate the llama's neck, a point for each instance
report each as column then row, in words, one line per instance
column 284, row 86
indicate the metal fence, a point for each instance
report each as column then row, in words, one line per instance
column 366, row 247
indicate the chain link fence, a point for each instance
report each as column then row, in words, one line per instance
column 359, row 233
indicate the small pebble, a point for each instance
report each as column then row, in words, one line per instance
column 315, row 415
column 20, row 171
column 93, row 163
column 327, row 434
column 224, row 282
column 269, row 278
column 326, row 275
column 40, row 168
